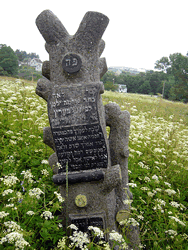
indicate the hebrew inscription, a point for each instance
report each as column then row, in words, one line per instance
column 76, row 129
column 84, row 223
column 71, row 63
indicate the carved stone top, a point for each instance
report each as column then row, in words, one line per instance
column 74, row 59
column 72, row 89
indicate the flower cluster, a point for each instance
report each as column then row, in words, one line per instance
column 30, row 213
column 12, row 226
column 60, row 198
column 3, row 214
column 44, row 162
column 170, row 191
column 47, row 215
column 15, row 238
column 7, row 191
column 28, row 175
column 177, row 220
column 97, row 231
column 9, row 180
column 115, row 236
column 35, row 192
column 79, row 239
column 171, row 232
column 45, row 172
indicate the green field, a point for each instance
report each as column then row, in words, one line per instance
column 158, row 171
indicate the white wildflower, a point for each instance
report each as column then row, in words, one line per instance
column 47, row 215
column 35, row 192
column 9, row 205
column 12, row 226
column 116, row 236
column 15, row 238
column 167, row 184
column 132, row 185
column 28, row 175
column 177, row 220
column 60, row 198
column 144, row 188
column 174, row 204
column 140, row 217
column 147, row 179
column 72, row 226
column 30, row 213
column 10, row 180
column 44, row 172
column 127, row 202
column 44, row 162
column 97, row 231
column 7, row 191
column 150, row 194
column 170, row 191
column 155, row 177
column 3, row 214
column 171, row 232
column 62, row 243
column 160, row 201
column 139, row 153
column 79, row 239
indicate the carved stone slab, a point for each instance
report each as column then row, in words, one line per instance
column 83, row 222
column 76, row 128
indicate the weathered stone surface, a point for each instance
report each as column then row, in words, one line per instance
column 97, row 168
column 75, row 123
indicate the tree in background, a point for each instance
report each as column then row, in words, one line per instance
column 176, row 69
column 110, row 86
column 23, row 55
column 8, row 61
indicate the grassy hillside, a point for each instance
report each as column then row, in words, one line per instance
column 158, row 171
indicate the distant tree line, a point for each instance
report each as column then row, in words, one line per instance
column 171, row 81
column 24, row 56
column 9, row 63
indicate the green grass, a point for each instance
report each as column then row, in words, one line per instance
column 158, row 170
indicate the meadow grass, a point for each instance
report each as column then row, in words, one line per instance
column 158, row 172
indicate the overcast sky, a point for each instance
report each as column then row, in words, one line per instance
column 139, row 33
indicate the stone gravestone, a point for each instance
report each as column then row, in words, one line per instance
column 95, row 168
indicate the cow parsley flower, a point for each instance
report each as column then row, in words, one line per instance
column 28, row 175
column 12, row 226
column 10, row 180
column 177, row 220
column 30, row 213
column 47, row 215
column 44, row 172
column 167, row 184
column 116, row 236
column 72, row 226
column 170, row 191
column 44, row 162
column 132, row 185
column 147, row 179
column 60, row 198
column 62, row 243
column 3, row 214
column 155, row 177
column 97, row 231
column 7, row 191
column 174, row 204
column 171, row 232
column 79, row 239
column 127, row 202
column 35, row 192
column 15, row 238
column 150, row 194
